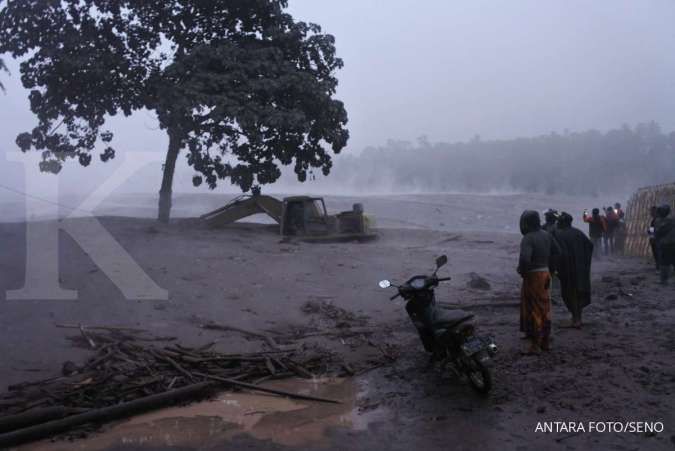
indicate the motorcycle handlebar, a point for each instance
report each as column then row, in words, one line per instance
column 438, row 279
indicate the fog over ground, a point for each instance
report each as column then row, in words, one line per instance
column 446, row 71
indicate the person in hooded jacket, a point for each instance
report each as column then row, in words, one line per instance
column 550, row 218
column 612, row 221
column 651, row 232
column 537, row 248
column 573, row 266
column 550, row 224
column 597, row 227
column 665, row 241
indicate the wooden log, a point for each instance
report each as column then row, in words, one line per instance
column 115, row 412
column 299, row 369
column 13, row 422
column 266, row 389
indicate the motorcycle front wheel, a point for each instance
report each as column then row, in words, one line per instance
column 480, row 377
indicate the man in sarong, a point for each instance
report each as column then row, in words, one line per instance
column 536, row 249
column 574, row 267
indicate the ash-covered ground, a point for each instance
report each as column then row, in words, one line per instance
column 620, row 367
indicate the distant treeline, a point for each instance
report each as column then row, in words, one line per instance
column 588, row 163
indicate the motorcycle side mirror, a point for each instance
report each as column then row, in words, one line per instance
column 384, row 284
column 442, row 260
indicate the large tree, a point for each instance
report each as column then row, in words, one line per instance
column 238, row 84
column 3, row 68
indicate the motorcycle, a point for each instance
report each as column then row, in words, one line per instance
column 448, row 335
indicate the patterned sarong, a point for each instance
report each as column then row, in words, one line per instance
column 535, row 306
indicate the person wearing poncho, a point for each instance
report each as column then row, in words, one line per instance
column 573, row 266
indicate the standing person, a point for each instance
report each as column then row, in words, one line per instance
column 612, row 221
column 536, row 249
column 550, row 218
column 619, row 211
column 597, row 226
column 574, row 267
column 665, row 241
column 620, row 237
column 652, row 235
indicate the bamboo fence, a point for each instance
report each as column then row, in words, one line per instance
column 638, row 217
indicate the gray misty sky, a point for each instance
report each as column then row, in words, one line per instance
column 453, row 69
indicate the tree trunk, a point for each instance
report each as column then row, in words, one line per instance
column 167, row 178
column 104, row 414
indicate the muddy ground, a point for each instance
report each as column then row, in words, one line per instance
column 621, row 366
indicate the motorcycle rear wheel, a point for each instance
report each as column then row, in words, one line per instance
column 480, row 377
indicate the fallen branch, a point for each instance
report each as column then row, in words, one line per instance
column 91, row 342
column 213, row 326
column 173, row 363
column 266, row 389
column 124, row 376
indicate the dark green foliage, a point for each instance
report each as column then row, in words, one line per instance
column 238, row 83
column 577, row 163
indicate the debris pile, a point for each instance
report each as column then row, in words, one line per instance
column 124, row 369
column 128, row 373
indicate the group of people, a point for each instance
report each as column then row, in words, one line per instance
column 555, row 247
column 662, row 240
column 607, row 229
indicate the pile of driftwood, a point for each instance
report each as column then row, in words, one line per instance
column 128, row 373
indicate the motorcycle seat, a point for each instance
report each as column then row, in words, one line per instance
column 447, row 319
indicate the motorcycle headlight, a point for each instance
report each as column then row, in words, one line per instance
column 418, row 283
column 492, row 349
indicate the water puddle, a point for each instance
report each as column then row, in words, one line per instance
column 210, row 423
